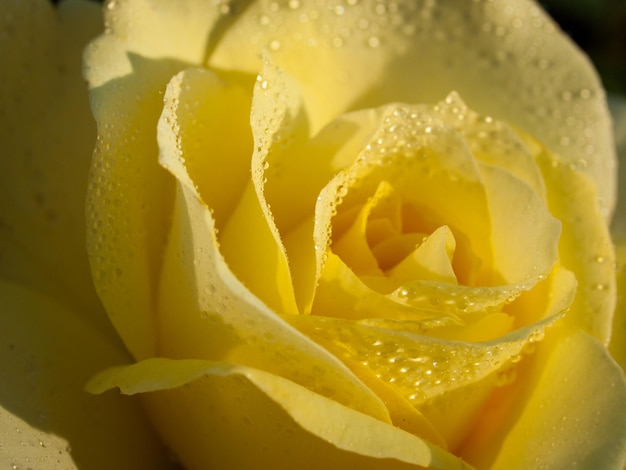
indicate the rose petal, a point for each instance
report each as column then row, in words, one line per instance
column 46, row 140
column 424, row 160
column 206, row 118
column 202, row 117
column 569, row 414
column 508, row 61
column 206, row 312
column 418, row 367
column 272, row 120
column 342, row 294
column 525, row 236
column 570, row 194
column 492, row 141
column 48, row 420
column 249, row 407
column 431, row 261
column 130, row 196
column 296, row 172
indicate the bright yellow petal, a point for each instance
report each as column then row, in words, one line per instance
column 575, row 415
column 47, row 418
column 418, row 367
column 129, row 195
column 205, row 312
column 263, row 418
column 297, row 171
column 46, row 139
column 585, row 246
column 202, row 117
column 507, row 60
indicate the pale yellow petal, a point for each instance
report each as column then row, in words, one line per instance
column 46, row 140
column 249, row 407
column 206, row 121
column 507, row 60
column 130, row 196
column 574, row 415
column 273, row 119
column 152, row 29
column 48, row 419
column 492, row 141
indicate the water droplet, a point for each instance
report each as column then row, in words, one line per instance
column 373, row 41
column 275, row 45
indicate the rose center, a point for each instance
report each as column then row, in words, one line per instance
column 383, row 237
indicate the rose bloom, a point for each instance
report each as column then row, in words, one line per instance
column 312, row 234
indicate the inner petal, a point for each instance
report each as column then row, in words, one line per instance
column 431, row 260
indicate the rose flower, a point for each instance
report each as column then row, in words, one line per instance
column 328, row 234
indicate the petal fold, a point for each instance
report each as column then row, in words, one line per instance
column 235, row 422
column 575, row 412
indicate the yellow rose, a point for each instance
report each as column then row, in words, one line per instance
column 331, row 234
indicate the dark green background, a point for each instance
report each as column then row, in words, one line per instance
column 599, row 28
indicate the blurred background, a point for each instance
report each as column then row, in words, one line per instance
column 599, row 28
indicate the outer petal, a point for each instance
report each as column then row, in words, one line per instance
column 574, row 416
column 226, row 415
column 130, row 197
column 571, row 198
column 507, row 60
column 47, row 420
column 46, row 140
